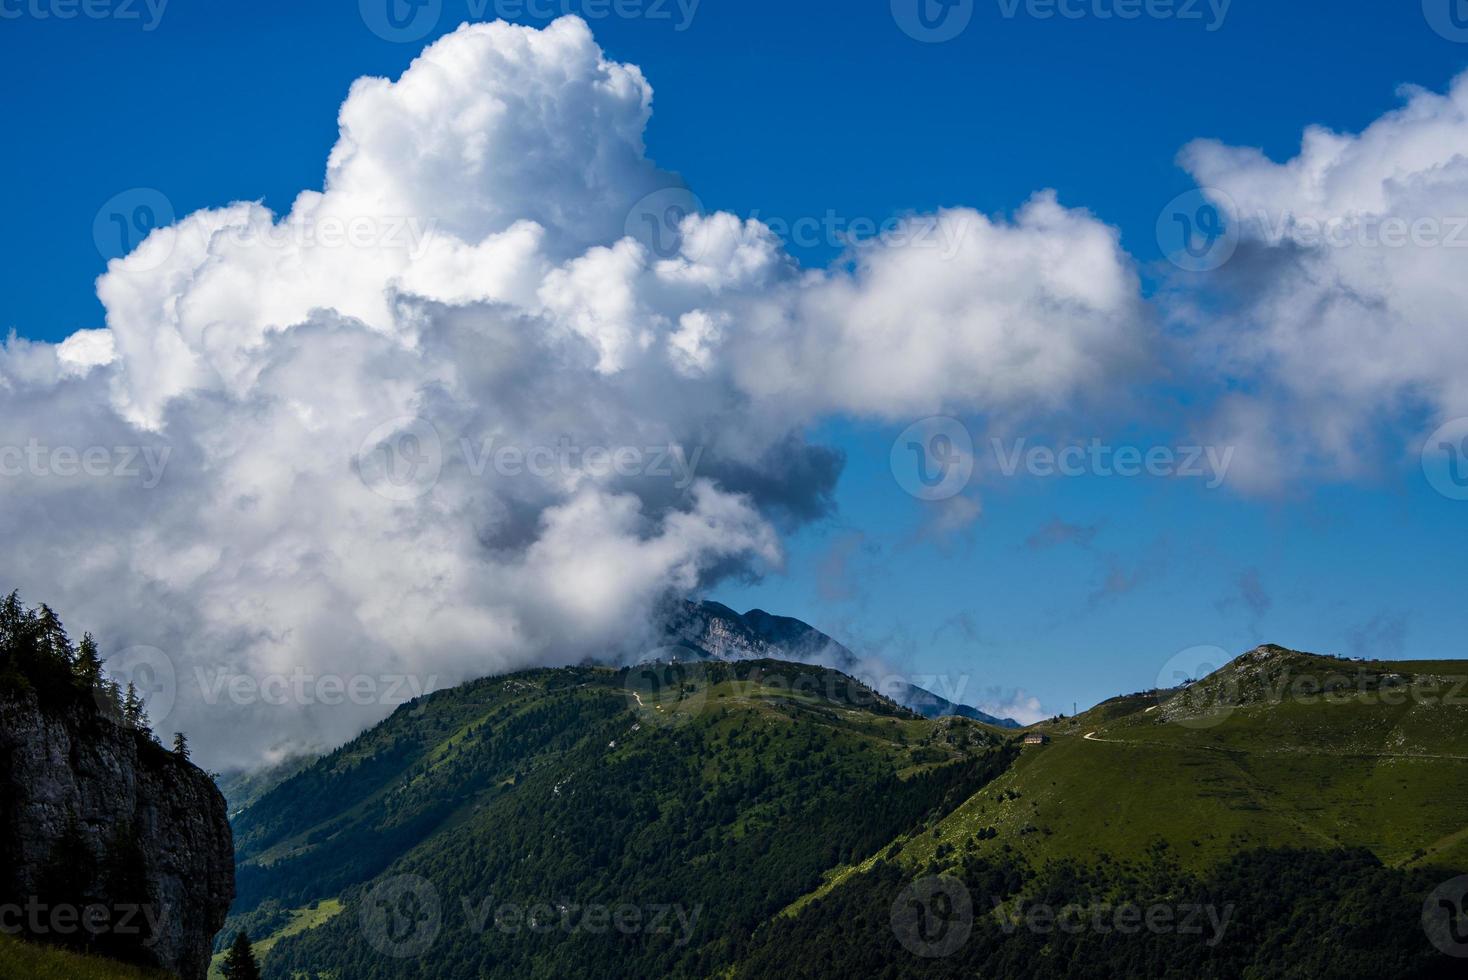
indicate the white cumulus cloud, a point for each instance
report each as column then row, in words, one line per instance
column 445, row 417
column 1343, row 308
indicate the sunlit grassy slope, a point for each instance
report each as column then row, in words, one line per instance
column 1277, row 748
column 299, row 921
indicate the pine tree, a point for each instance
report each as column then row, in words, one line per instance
column 19, row 633
column 88, row 669
column 54, row 640
column 109, row 698
column 133, row 713
column 12, row 616
column 181, row 745
column 239, row 962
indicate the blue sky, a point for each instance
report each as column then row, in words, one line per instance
column 792, row 110
column 776, row 109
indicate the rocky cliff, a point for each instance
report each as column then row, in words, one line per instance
column 108, row 841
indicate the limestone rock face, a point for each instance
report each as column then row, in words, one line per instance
column 97, row 816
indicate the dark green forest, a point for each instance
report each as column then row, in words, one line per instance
column 1289, row 913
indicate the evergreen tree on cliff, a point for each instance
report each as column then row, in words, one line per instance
column 88, row 669
column 239, row 962
column 54, row 641
column 133, row 713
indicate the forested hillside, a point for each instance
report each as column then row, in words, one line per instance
column 724, row 796
column 767, row 819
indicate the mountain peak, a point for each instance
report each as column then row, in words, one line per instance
column 715, row 631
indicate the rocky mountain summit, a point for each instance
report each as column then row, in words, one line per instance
column 711, row 630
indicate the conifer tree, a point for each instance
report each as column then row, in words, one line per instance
column 134, row 715
column 54, row 641
column 109, row 697
column 239, row 962
column 88, row 669
column 181, row 745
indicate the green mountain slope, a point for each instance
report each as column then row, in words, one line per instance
column 1314, row 803
column 1276, row 749
column 760, row 818
column 700, row 807
column 244, row 786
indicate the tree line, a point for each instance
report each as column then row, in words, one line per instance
column 38, row 656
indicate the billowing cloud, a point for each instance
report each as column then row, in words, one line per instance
column 971, row 313
column 1342, row 310
column 447, row 417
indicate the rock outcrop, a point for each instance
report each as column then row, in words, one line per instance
column 108, row 841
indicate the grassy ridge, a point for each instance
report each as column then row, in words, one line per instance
column 1319, row 823
column 1276, row 749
